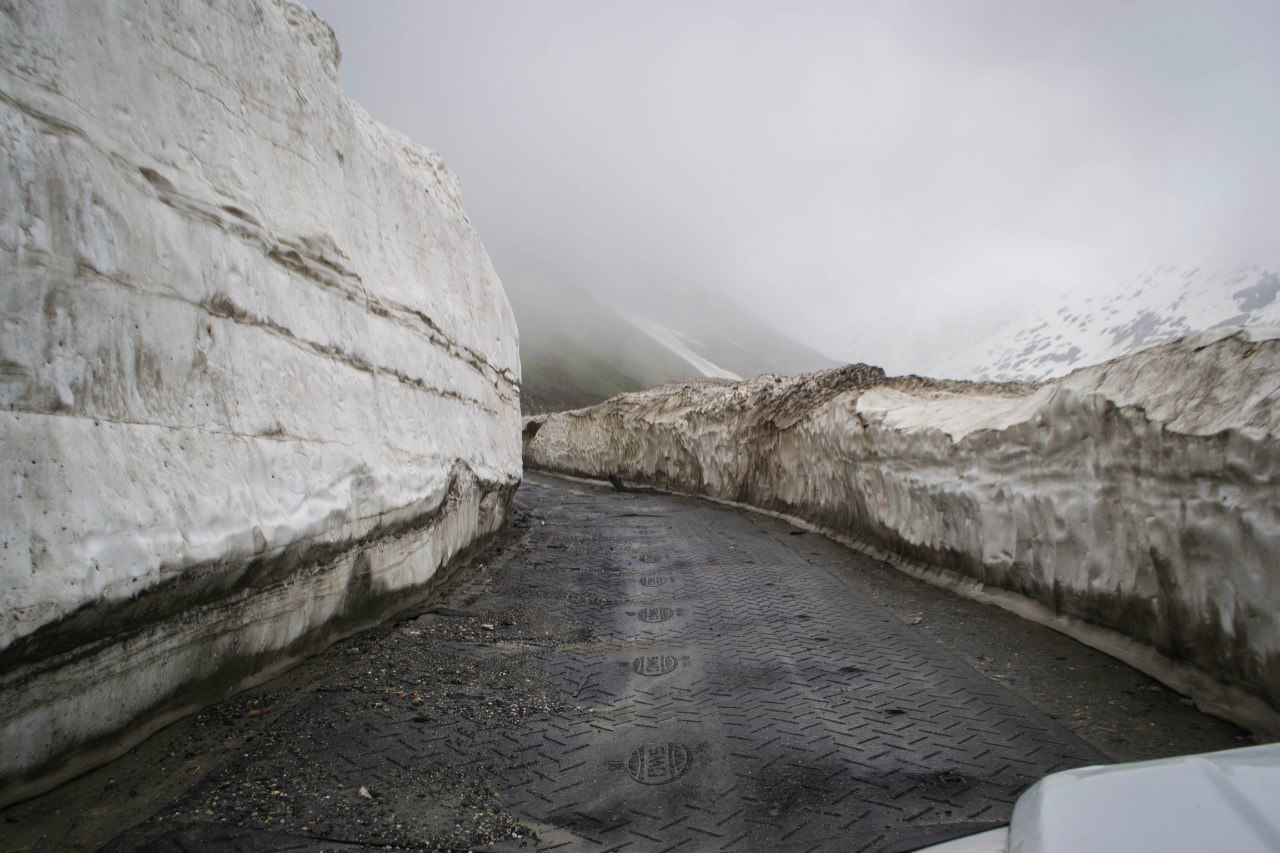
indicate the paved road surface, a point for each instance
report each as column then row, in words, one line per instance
column 633, row 672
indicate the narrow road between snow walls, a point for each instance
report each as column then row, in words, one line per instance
column 638, row 671
column 1130, row 504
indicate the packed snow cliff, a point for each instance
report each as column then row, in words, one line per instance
column 259, row 379
column 1135, row 499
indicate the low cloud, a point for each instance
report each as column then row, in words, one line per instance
column 878, row 179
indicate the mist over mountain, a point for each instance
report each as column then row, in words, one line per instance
column 576, row 349
column 1087, row 327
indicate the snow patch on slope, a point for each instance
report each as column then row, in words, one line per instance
column 674, row 341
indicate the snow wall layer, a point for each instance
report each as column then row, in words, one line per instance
column 1135, row 501
column 259, row 378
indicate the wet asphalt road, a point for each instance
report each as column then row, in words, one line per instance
column 638, row 672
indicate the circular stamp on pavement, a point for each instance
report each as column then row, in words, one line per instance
column 655, row 664
column 658, row 764
column 655, row 614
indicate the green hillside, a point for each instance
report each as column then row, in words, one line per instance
column 576, row 351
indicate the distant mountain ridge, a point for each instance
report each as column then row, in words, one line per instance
column 578, row 350
column 1164, row 303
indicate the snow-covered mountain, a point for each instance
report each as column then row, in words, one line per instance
column 1086, row 328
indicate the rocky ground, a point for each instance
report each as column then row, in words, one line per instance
column 636, row 671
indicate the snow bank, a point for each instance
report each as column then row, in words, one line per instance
column 1137, row 497
column 259, row 380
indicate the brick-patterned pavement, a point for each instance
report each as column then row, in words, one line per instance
column 696, row 684
column 636, row 672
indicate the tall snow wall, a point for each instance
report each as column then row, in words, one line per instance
column 1133, row 504
column 259, row 379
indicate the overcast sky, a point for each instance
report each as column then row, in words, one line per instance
column 875, row 178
